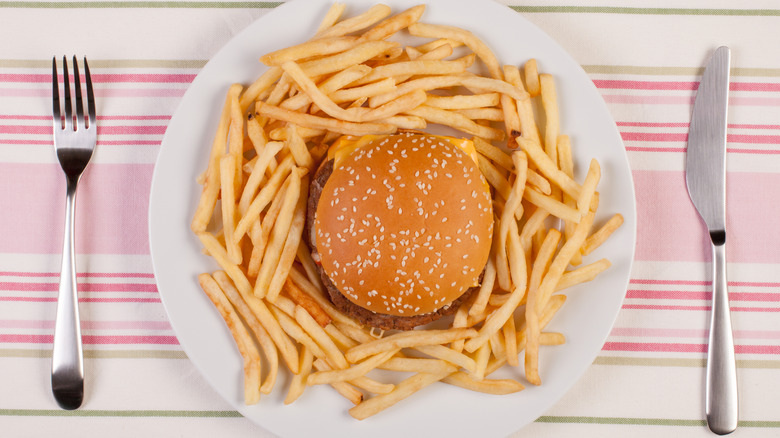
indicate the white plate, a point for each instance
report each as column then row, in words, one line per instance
column 439, row 410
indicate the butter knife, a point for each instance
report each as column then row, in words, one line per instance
column 705, row 175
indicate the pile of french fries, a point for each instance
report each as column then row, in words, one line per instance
column 350, row 79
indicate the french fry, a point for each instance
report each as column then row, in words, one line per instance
column 549, row 168
column 345, row 389
column 304, row 258
column 262, row 336
column 433, row 45
column 291, row 243
column 553, row 206
column 495, row 178
column 582, row 274
column 482, row 357
column 310, row 121
column 602, row 234
column 261, row 84
column 211, row 188
column 417, row 67
column 332, row 16
column 298, row 384
column 323, row 46
column 532, row 225
column 552, row 118
column 265, row 196
column 451, row 356
column 244, row 342
column 416, row 365
column 487, row 386
column 258, row 171
column 273, row 251
column 332, row 352
column 286, row 320
column 532, row 329
column 552, row 339
column 340, row 61
column 351, row 373
column 457, row 121
column 354, row 93
column 562, row 259
column 376, row 404
column 487, row 56
column 589, row 187
column 494, row 153
column 532, row 78
column 329, row 86
column 539, row 182
column 514, row 200
column 509, row 332
column 226, row 171
column 373, row 15
column 463, row 101
column 489, row 114
column 405, row 122
column 218, row 252
column 495, row 85
column 517, row 266
column 485, row 289
column 343, row 341
column 301, row 281
column 302, row 299
column 406, row 340
column 393, row 24
column 425, row 83
column 525, row 112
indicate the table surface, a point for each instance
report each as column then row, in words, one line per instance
column 644, row 57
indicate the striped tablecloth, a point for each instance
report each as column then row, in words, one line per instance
column 645, row 57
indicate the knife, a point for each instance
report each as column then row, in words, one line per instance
column 705, row 175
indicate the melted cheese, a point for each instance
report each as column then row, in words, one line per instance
column 346, row 145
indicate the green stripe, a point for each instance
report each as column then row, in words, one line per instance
column 100, row 354
column 646, row 11
column 646, row 421
column 680, row 362
column 116, row 413
column 110, row 63
column 674, row 71
column 138, row 5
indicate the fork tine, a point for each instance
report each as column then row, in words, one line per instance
column 90, row 94
column 79, row 101
column 68, row 104
column 55, row 96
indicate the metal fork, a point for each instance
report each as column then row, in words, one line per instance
column 74, row 141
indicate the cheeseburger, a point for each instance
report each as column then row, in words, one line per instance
column 400, row 227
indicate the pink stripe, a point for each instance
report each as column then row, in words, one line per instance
column 80, row 274
column 683, row 137
column 686, row 348
column 48, row 117
column 686, row 100
column 105, row 222
column 102, row 78
column 81, row 299
column 729, row 150
column 677, row 85
column 690, row 333
column 101, row 130
column 685, row 125
column 701, row 295
column 100, row 92
column 702, row 283
column 697, row 308
column 83, row 287
column 92, row 339
column 88, row 325
column 676, row 233
column 99, row 142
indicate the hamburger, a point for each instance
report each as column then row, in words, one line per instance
column 400, row 227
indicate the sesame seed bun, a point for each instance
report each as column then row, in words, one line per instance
column 403, row 225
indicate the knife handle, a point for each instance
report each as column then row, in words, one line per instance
column 722, row 405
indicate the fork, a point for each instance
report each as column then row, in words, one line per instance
column 74, row 141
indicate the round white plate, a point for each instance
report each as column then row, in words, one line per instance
column 439, row 410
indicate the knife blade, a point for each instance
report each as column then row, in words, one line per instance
column 705, row 176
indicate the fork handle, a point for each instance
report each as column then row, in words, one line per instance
column 721, row 401
column 67, row 369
